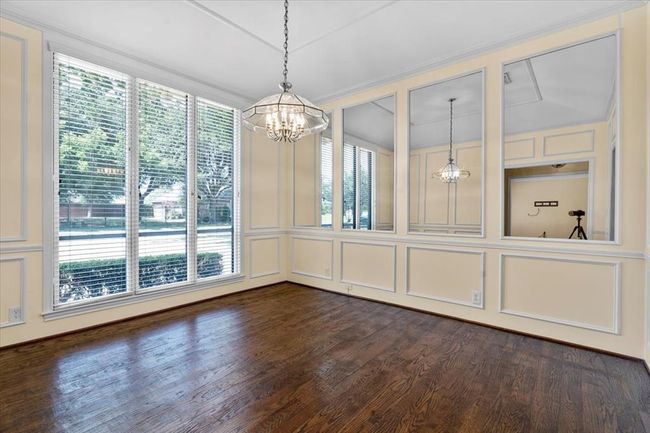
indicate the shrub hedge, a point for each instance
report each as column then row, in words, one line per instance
column 92, row 278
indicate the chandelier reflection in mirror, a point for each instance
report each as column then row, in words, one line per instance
column 450, row 173
column 285, row 116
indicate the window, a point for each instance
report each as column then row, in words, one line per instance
column 358, row 187
column 147, row 185
column 326, row 178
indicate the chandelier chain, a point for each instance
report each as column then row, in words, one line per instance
column 285, row 72
column 451, row 126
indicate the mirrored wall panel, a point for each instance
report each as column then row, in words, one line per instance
column 368, row 165
column 312, row 183
column 560, row 143
column 446, row 156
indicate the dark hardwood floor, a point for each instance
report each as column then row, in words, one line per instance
column 287, row 358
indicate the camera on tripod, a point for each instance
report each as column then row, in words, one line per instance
column 578, row 230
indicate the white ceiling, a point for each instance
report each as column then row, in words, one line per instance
column 372, row 123
column 336, row 46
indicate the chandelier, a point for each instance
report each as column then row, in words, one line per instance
column 450, row 173
column 285, row 116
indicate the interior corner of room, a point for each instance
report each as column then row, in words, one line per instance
column 497, row 178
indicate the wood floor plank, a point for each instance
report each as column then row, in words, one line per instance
column 286, row 358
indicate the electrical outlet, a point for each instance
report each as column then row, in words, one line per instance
column 477, row 297
column 14, row 314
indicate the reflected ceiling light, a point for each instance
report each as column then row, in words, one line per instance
column 450, row 173
column 285, row 116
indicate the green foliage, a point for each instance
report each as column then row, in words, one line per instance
column 93, row 278
column 214, row 171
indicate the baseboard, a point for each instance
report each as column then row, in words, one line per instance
column 487, row 325
column 138, row 316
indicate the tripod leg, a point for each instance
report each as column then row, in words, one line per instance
column 574, row 232
column 582, row 234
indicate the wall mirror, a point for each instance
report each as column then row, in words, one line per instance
column 560, row 143
column 312, row 183
column 368, row 165
column 446, row 156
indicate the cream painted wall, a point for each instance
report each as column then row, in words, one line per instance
column 590, row 294
column 647, row 85
column 264, row 207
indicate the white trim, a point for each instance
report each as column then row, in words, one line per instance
column 481, row 287
column 519, row 141
column 409, row 90
column 459, row 241
column 142, row 296
column 22, row 249
column 615, row 329
column 22, row 288
column 566, row 134
column 375, row 244
column 308, row 274
column 389, row 94
column 24, row 143
column 502, row 165
column 277, row 254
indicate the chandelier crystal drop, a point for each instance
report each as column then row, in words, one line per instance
column 451, row 172
column 285, row 116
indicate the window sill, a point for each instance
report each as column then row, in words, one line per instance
column 132, row 298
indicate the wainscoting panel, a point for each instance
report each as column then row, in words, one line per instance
column 264, row 256
column 13, row 136
column 368, row 264
column 265, row 163
column 579, row 293
column 12, row 290
column 312, row 257
column 447, row 275
column 519, row 149
column 562, row 144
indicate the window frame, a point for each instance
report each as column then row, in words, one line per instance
column 134, row 72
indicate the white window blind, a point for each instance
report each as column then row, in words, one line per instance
column 358, row 187
column 216, row 211
column 147, row 194
column 326, row 177
column 162, row 185
column 90, row 106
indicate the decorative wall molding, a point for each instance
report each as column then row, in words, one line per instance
column 362, row 284
column 278, row 191
column 592, row 141
column 308, row 274
column 414, row 293
column 250, row 256
column 531, row 140
column 22, row 249
column 472, row 241
column 23, row 291
column 615, row 329
column 22, row 234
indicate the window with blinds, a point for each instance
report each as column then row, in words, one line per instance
column 147, row 194
column 91, row 104
column 358, row 187
column 326, row 177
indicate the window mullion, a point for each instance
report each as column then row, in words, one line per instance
column 133, row 193
column 191, row 210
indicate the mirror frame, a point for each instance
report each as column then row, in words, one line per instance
column 482, row 70
column 617, row 180
column 340, row 144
